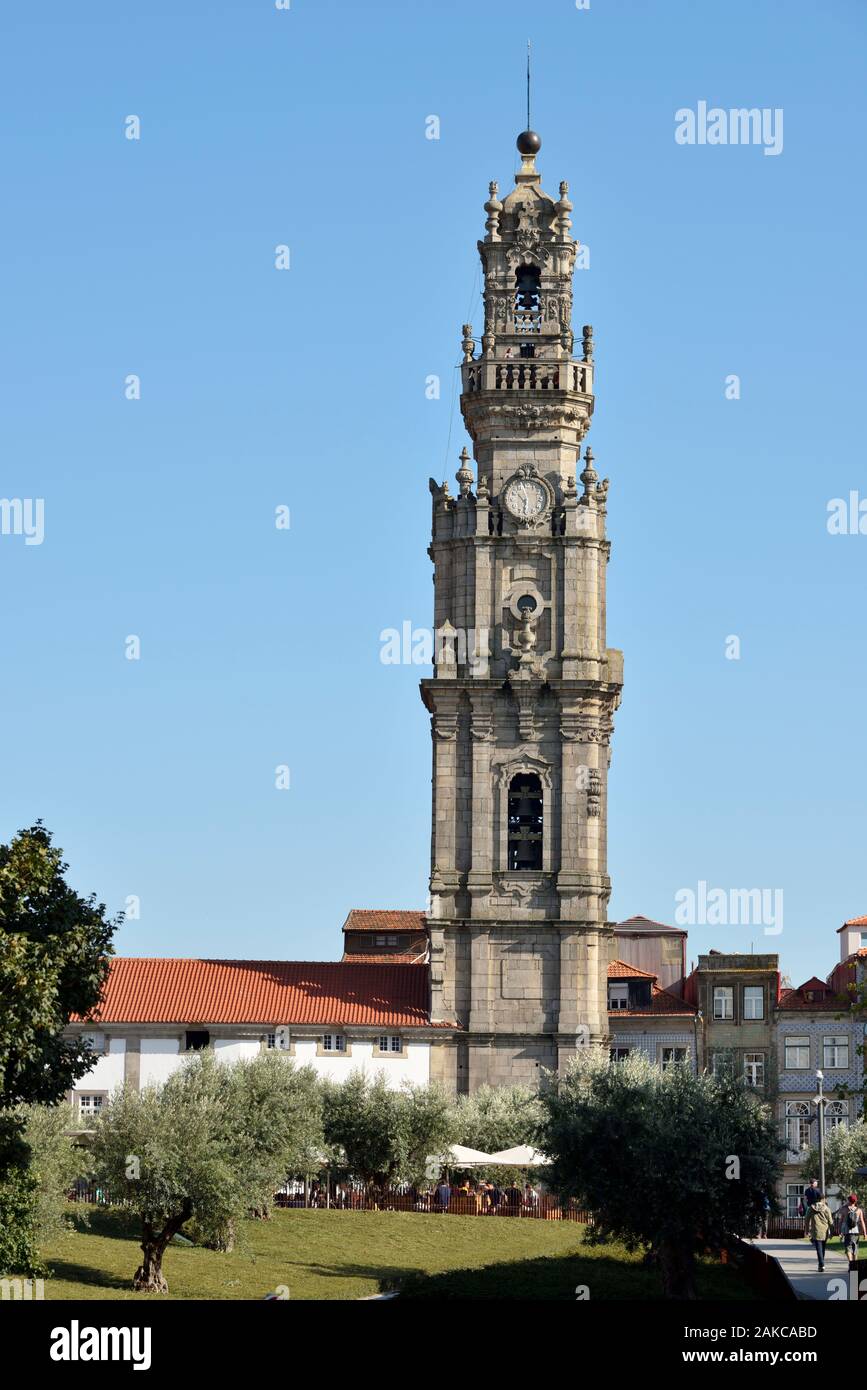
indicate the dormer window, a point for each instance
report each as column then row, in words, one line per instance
column 528, row 299
column 525, row 822
column 618, row 996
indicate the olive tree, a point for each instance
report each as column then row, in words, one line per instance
column 383, row 1134
column 845, row 1152
column 207, row 1146
column 667, row 1161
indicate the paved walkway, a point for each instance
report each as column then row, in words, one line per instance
column 797, row 1259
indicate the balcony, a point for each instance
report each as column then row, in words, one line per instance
column 526, row 374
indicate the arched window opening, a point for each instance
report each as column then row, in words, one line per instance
column 525, row 822
column 798, row 1120
column 528, row 299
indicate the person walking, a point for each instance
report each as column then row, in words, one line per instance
column 851, row 1227
column 765, row 1217
column 818, row 1224
column 444, row 1194
column 811, row 1194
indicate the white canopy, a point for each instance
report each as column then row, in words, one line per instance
column 461, row 1157
column 522, row 1156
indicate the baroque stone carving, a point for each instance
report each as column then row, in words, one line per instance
column 594, row 792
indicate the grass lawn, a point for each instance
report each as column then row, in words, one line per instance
column 347, row 1255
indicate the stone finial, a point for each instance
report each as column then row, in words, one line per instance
column 464, row 474
column 493, row 207
column 563, row 209
column 467, row 344
column 589, row 474
column 587, row 330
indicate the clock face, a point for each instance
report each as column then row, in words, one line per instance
column 526, row 498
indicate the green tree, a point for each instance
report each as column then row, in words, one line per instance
column 56, row 1163
column 386, row 1135
column 845, row 1151
column 498, row 1117
column 274, row 1129
column 54, row 957
column 669, row 1161
column 194, row 1150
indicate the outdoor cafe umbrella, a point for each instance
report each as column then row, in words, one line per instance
column 458, row 1156
column 522, row 1156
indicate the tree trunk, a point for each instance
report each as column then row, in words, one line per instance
column 677, row 1268
column 149, row 1277
column 224, row 1240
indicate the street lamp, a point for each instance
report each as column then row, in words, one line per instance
column 820, row 1102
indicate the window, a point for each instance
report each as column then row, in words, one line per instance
column 797, row 1127
column 797, row 1053
column 836, row 1115
column 673, row 1057
column 197, row 1040
column 528, row 303
column 619, row 1054
column 754, row 1001
column 525, row 822
column 89, row 1106
column 271, row 1041
column 754, row 1068
column 95, row 1041
column 722, row 1063
column 723, row 1002
column 390, row 1043
column 618, row 996
column 794, row 1194
column 333, row 1042
column 835, row 1050
column 386, row 940
column 864, row 940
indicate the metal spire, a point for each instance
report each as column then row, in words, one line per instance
column 529, row 127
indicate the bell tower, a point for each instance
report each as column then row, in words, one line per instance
column 524, row 688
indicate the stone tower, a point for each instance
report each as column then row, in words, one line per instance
column 524, row 688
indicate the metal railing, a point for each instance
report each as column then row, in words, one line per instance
column 350, row 1197
column 542, row 1206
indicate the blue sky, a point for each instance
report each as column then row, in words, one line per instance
column 306, row 388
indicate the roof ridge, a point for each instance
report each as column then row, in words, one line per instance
column 227, row 960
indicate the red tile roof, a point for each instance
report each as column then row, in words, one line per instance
column 826, row 998
column 662, row 1002
column 384, row 919
column 152, row 990
column 853, row 922
column 384, row 957
column 619, row 970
